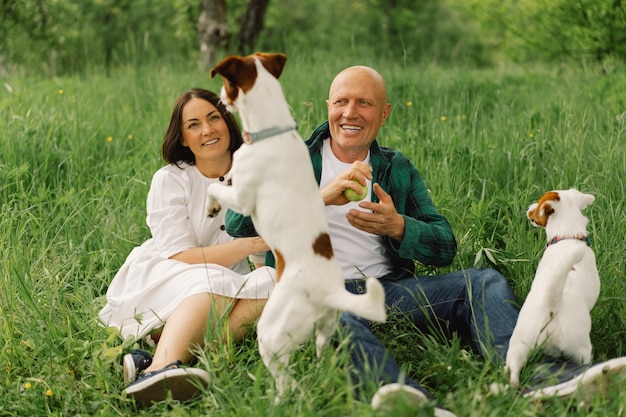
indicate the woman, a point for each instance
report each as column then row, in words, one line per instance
column 190, row 275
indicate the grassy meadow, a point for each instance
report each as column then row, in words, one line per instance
column 77, row 155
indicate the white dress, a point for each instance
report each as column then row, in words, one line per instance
column 149, row 285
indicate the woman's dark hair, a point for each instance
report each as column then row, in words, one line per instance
column 173, row 150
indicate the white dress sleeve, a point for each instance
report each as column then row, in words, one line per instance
column 168, row 213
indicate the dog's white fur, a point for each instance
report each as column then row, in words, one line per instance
column 273, row 181
column 556, row 314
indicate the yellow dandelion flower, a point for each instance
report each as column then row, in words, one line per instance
column 443, row 118
column 28, row 385
column 130, row 136
column 110, row 139
column 531, row 135
column 61, row 91
column 409, row 103
column 49, row 392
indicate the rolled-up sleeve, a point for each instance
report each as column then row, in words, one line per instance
column 428, row 237
column 238, row 225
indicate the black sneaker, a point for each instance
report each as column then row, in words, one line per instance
column 180, row 384
column 135, row 362
column 563, row 378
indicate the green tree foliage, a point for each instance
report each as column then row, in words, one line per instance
column 415, row 30
column 60, row 36
column 554, row 30
column 66, row 35
column 437, row 30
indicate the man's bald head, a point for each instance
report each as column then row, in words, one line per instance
column 365, row 74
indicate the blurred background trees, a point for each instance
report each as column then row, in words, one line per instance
column 69, row 36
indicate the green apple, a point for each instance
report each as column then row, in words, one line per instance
column 352, row 195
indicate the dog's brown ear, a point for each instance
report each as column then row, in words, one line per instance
column 539, row 216
column 226, row 66
column 237, row 72
column 544, row 208
column 235, row 68
column 273, row 63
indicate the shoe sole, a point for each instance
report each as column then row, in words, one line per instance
column 130, row 371
column 181, row 383
column 392, row 395
column 597, row 379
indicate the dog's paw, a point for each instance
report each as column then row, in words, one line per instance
column 213, row 207
column 496, row 388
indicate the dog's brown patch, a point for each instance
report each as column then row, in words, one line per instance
column 322, row 246
column 280, row 264
column 543, row 210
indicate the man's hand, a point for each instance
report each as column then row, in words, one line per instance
column 382, row 220
column 332, row 193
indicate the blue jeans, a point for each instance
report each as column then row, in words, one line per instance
column 476, row 304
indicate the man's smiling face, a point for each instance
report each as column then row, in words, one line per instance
column 357, row 108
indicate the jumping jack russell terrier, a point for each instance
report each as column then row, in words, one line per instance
column 274, row 183
column 556, row 314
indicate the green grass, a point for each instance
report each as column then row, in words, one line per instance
column 77, row 156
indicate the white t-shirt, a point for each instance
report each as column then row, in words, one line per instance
column 359, row 253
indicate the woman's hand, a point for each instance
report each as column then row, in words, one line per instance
column 257, row 244
column 225, row 254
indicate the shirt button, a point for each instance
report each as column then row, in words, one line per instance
column 222, row 227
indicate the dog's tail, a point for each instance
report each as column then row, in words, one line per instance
column 559, row 270
column 370, row 305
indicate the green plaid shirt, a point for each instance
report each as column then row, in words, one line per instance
column 428, row 237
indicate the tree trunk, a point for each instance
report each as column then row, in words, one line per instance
column 251, row 25
column 213, row 30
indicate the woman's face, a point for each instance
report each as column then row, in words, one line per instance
column 205, row 131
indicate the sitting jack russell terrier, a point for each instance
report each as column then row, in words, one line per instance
column 274, row 183
column 556, row 314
